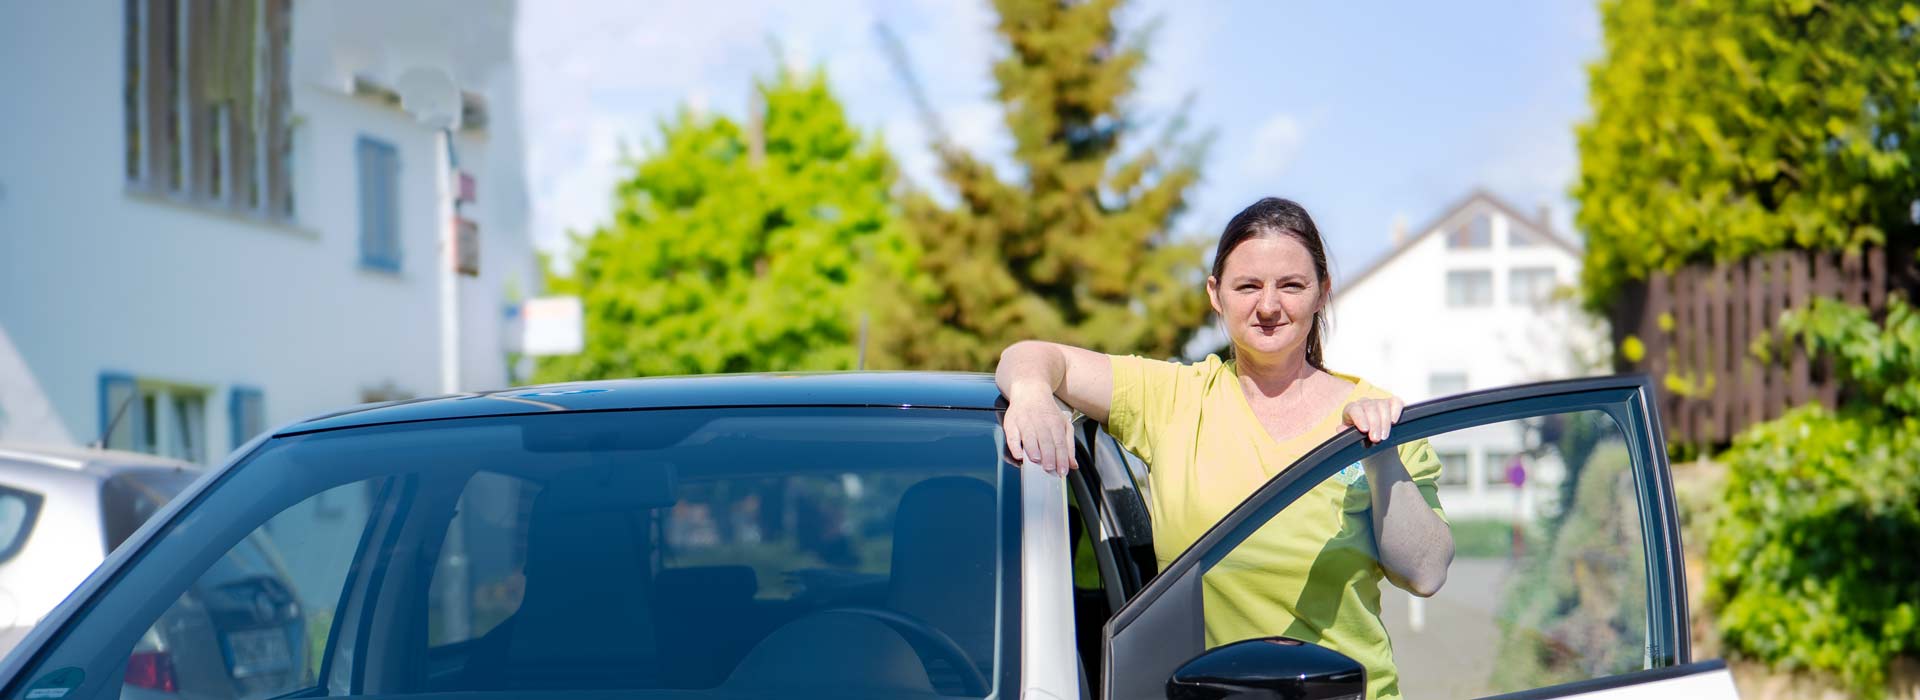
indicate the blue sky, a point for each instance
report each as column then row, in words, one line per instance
column 1363, row 112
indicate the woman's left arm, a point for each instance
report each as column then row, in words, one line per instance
column 1414, row 543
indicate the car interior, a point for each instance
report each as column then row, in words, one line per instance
column 1109, row 568
column 591, row 621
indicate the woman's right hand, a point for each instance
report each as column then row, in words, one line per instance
column 1038, row 430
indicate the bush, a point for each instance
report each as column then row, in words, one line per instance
column 1482, row 538
column 1576, row 607
column 1814, row 561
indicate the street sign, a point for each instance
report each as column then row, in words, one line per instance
column 466, row 247
column 553, row 326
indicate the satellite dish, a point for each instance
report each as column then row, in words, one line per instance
column 430, row 95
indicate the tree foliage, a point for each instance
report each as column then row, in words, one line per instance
column 1811, row 564
column 1722, row 129
column 730, row 252
column 1077, row 249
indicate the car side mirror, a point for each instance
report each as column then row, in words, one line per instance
column 1274, row 667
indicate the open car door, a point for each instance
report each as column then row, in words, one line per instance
column 1567, row 579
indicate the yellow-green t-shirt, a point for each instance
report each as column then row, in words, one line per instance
column 1311, row 573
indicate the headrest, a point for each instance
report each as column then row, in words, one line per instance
column 587, row 578
column 944, row 560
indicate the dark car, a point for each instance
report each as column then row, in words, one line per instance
column 856, row 536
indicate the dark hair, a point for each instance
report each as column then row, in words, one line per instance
column 1273, row 217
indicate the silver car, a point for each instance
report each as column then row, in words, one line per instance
column 64, row 510
column 61, row 511
column 852, row 536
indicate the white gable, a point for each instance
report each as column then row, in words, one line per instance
column 1457, row 304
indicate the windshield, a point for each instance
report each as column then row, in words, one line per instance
column 776, row 552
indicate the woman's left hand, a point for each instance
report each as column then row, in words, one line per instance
column 1373, row 417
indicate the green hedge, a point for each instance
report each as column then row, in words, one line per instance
column 1725, row 129
column 1814, row 559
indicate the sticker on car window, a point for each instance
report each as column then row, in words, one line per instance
column 1353, row 474
column 56, row 685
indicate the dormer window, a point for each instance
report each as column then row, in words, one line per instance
column 1475, row 233
column 1520, row 237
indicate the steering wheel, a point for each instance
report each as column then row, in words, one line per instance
column 942, row 645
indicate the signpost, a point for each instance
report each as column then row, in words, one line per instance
column 552, row 326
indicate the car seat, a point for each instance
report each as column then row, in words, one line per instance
column 944, row 562
column 586, row 619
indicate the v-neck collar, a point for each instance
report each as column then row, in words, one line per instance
column 1290, row 441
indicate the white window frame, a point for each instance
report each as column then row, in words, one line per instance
column 1466, row 302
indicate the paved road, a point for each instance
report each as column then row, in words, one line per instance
column 1452, row 654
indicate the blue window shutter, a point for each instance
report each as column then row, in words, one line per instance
column 390, row 194
column 378, row 164
column 246, row 413
column 119, row 398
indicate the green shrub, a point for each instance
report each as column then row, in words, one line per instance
column 1491, row 538
column 1814, row 561
column 1576, row 607
column 1482, row 538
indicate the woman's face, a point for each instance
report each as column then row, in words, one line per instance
column 1267, row 294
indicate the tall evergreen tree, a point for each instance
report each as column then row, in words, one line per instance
column 740, row 247
column 1079, row 248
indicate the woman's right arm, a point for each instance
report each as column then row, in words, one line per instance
column 1032, row 374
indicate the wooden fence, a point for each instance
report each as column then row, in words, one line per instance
column 1699, row 324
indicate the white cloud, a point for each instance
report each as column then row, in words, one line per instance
column 1275, row 145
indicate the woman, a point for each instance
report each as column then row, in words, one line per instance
column 1214, row 431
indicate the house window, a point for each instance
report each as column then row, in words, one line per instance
column 1520, row 237
column 205, row 95
column 379, row 165
column 1498, row 464
column 246, row 413
column 1455, row 467
column 1476, row 233
column 1469, row 288
column 1528, row 286
column 157, row 418
column 1446, row 383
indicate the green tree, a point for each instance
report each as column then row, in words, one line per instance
column 740, row 247
column 1079, row 248
column 1724, row 129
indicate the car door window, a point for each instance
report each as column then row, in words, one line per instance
column 18, row 511
column 129, row 498
column 1549, row 584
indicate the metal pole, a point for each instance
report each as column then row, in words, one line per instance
column 863, row 339
column 449, row 270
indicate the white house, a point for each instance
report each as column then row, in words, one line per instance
column 217, row 217
column 1468, row 302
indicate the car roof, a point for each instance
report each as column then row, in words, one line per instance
column 100, row 463
column 892, row 389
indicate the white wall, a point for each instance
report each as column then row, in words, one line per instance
column 94, row 278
